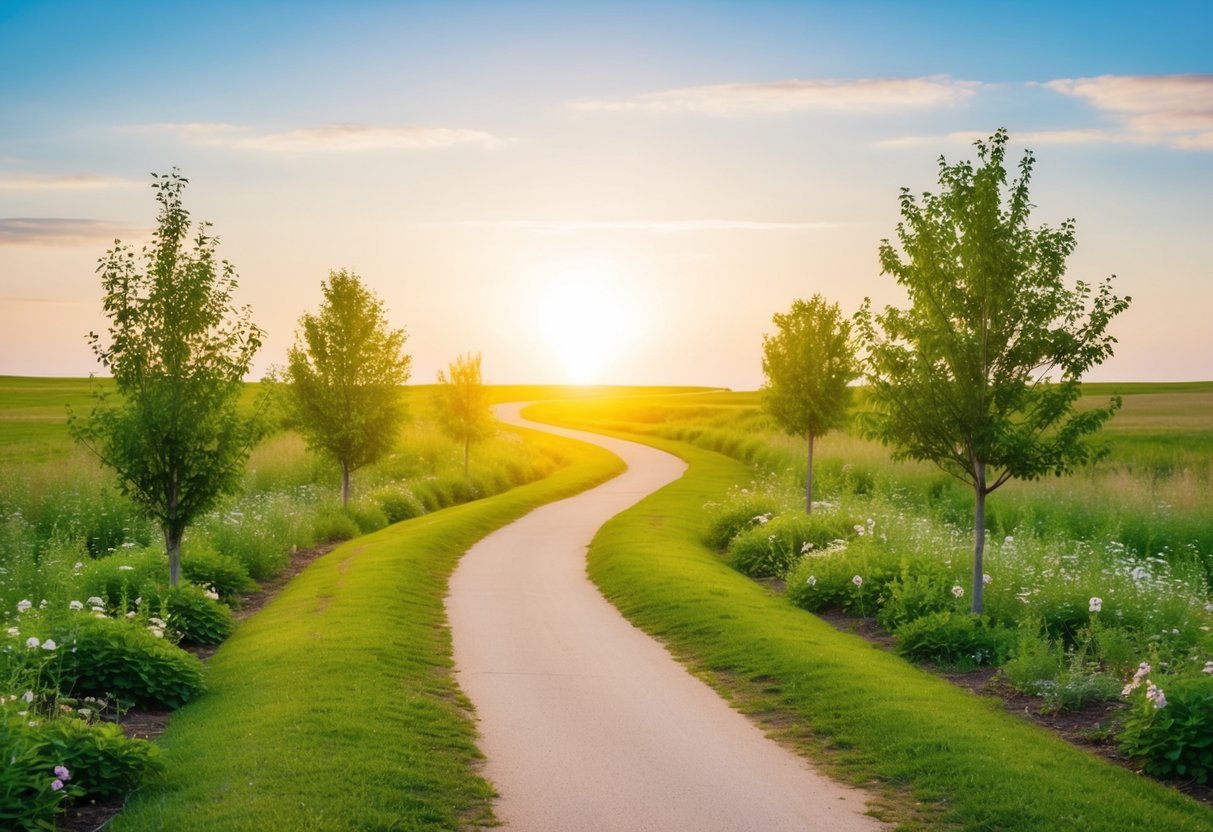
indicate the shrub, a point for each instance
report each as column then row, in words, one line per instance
column 197, row 618
column 102, row 760
column 953, row 639
column 1175, row 740
column 124, row 659
column 225, row 574
column 368, row 517
column 826, row 579
column 737, row 516
column 28, row 800
column 770, row 549
column 1077, row 687
column 1036, row 660
column 120, row 578
column 397, row 503
column 332, row 525
column 923, row 587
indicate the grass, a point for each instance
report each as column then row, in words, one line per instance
column 914, row 738
column 334, row 707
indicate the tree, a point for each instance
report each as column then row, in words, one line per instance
column 964, row 377
column 178, row 352
column 344, row 375
column 462, row 404
column 808, row 364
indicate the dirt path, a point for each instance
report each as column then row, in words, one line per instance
column 589, row 724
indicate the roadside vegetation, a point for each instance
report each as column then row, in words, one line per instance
column 1098, row 589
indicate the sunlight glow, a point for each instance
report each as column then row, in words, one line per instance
column 585, row 323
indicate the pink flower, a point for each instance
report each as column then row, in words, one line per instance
column 858, row 581
column 62, row 773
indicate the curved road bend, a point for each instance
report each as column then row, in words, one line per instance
column 586, row 722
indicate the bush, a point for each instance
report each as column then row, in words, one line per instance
column 368, row 517
column 197, row 618
column 737, row 516
column 28, row 800
column 952, row 639
column 119, row 579
column 1036, row 660
column 1176, row 740
column 225, row 574
column 1077, row 687
column 332, row 525
column 123, row 659
column 102, row 760
column 397, row 503
column 770, row 549
column 923, row 587
column 826, row 579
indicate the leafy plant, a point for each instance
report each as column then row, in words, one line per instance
column 770, row 549
column 197, row 618
column 29, row 799
column 922, row 587
column 954, row 639
column 738, row 515
column 225, row 574
column 1175, row 740
column 103, row 761
column 397, row 502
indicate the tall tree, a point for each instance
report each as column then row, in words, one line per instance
column 462, row 404
column 344, row 375
column 178, row 350
column 808, row 364
column 964, row 377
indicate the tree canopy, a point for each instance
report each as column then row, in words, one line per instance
column 178, row 351
column 808, row 364
column 344, row 375
column 981, row 372
column 462, row 403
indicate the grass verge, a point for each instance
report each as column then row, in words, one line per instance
column 938, row 755
column 335, row 708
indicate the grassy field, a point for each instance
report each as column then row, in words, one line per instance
column 933, row 754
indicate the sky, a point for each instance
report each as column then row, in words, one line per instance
column 593, row 192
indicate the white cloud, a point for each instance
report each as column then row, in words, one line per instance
column 1029, row 138
column 65, row 182
column 58, row 231
column 856, row 95
column 329, row 138
column 643, row 226
column 1173, row 109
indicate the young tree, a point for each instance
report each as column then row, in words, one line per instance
column 808, row 364
column 964, row 376
column 178, row 351
column 462, row 404
column 344, row 375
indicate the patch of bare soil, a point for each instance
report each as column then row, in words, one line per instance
column 1089, row 728
column 145, row 724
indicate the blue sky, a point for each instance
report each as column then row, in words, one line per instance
column 672, row 173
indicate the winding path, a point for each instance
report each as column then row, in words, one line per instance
column 586, row 722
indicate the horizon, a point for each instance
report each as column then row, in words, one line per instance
column 592, row 195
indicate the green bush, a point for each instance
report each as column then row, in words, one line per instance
column 28, row 800
column 771, row 549
column 197, row 618
column 922, row 587
column 1076, row 688
column 737, row 516
column 852, row 577
column 120, row 578
column 397, row 503
column 953, row 639
column 225, row 574
column 1036, row 660
column 102, row 760
column 1175, row 740
column 123, row 659
column 368, row 517
column 332, row 525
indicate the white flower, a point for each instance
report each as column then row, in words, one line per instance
column 157, row 632
column 13, row 631
column 76, row 605
column 807, row 547
column 94, row 601
column 859, row 530
column 858, row 581
column 1095, row 604
column 28, row 696
column 32, row 642
column 125, row 568
column 98, row 609
column 210, row 593
column 49, row 644
column 1155, row 695
column 79, row 565
column 42, row 604
column 100, row 615
column 986, row 579
column 84, row 712
column 131, row 614
column 812, row 581
column 761, row 519
column 24, row 605
column 958, row 591
column 1208, row 667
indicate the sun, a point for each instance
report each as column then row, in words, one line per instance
column 585, row 323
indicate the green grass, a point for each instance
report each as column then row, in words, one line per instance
column 334, row 707
column 917, row 740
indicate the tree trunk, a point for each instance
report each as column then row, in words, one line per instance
column 172, row 544
column 808, row 479
column 979, row 539
column 345, row 484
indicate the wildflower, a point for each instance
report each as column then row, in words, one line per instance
column 807, row 547
column 1008, row 541
column 100, row 615
column 24, row 605
column 79, row 565
column 1095, row 604
column 761, row 519
column 858, row 581
column 812, row 581
column 1155, row 695
column 49, row 644
column 871, row 525
column 157, row 632
column 1174, row 631
column 214, row 596
column 125, row 568
column 958, row 591
column 131, row 614
column 56, row 785
column 13, row 631
column 85, row 712
column 32, row 642
column 28, row 696
column 94, row 601
column 986, row 580
column 859, row 530
column 42, row 604
column 1143, row 670
column 75, row 605
column 1208, row 668
column 62, row 773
